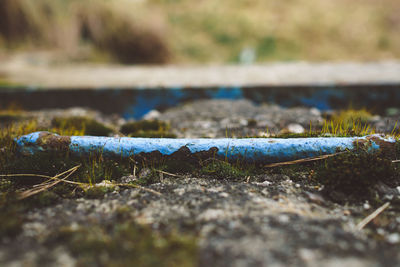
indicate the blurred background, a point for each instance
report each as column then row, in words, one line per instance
column 199, row 31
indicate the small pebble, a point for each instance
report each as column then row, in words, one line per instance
column 151, row 115
column 295, row 128
column 380, row 231
column 393, row 238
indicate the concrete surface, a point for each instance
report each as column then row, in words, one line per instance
column 272, row 74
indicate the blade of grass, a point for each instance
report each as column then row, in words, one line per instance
column 372, row 216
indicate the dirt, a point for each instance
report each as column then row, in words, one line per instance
column 272, row 222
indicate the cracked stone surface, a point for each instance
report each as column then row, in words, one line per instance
column 273, row 221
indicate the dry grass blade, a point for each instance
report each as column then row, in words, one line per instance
column 46, row 185
column 298, row 161
column 41, row 176
column 170, row 174
column 372, row 216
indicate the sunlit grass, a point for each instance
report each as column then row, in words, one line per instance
column 282, row 30
column 344, row 128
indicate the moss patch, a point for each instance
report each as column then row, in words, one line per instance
column 147, row 128
column 11, row 218
column 352, row 116
column 97, row 192
column 225, row 170
column 88, row 125
column 127, row 244
column 352, row 177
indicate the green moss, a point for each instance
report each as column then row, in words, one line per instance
column 147, row 128
column 143, row 125
column 151, row 176
column 92, row 169
column 65, row 190
column 351, row 116
column 88, row 125
column 128, row 244
column 13, row 210
column 6, row 185
column 11, row 215
column 224, row 170
column 43, row 199
column 355, row 175
column 97, row 192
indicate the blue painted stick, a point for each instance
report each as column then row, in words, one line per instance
column 267, row 150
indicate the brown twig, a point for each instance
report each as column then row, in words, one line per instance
column 170, row 174
column 47, row 185
column 372, row 216
column 41, row 176
column 292, row 162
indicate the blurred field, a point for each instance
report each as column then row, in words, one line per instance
column 189, row 31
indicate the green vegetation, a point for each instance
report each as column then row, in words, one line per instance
column 127, row 244
column 98, row 192
column 87, row 125
column 355, row 175
column 147, row 128
column 222, row 170
column 352, row 116
column 11, row 218
column 159, row 31
column 342, row 124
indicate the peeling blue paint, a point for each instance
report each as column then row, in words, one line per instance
column 265, row 150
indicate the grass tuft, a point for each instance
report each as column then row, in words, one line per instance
column 86, row 125
column 147, row 128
